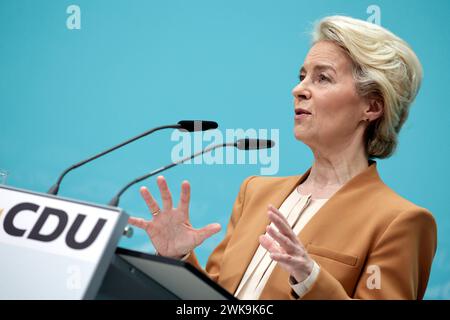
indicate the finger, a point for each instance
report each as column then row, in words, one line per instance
column 149, row 200
column 269, row 244
column 138, row 222
column 165, row 193
column 288, row 232
column 283, row 258
column 283, row 241
column 289, row 261
column 278, row 213
column 206, row 232
column 185, row 196
column 282, row 225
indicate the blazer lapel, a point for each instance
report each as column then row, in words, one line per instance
column 240, row 252
column 340, row 201
column 324, row 218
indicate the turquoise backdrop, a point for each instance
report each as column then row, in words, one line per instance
column 66, row 94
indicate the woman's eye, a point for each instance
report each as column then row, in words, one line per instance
column 301, row 77
column 323, row 77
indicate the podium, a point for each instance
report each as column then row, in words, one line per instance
column 135, row 275
column 58, row 248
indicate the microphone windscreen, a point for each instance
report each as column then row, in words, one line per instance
column 254, row 144
column 197, row 125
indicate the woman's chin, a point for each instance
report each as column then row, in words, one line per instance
column 299, row 133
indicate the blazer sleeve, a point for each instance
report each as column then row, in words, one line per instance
column 402, row 258
column 214, row 262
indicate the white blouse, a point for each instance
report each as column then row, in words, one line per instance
column 298, row 210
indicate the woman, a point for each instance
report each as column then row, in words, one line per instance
column 337, row 231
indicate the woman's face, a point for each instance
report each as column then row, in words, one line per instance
column 327, row 91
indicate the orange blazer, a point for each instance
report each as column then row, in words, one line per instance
column 364, row 230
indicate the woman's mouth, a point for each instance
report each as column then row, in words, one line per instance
column 301, row 113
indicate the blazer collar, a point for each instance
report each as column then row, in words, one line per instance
column 336, row 207
column 241, row 259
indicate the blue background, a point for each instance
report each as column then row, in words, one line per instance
column 67, row 94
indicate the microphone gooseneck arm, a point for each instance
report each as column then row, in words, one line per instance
column 183, row 125
column 55, row 188
column 115, row 201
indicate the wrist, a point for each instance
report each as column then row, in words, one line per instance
column 302, row 275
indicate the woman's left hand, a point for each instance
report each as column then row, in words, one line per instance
column 285, row 248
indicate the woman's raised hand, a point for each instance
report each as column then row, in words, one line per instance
column 169, row 228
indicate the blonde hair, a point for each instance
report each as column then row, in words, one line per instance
column 385, row 67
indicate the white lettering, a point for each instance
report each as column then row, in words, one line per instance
column 74, row 20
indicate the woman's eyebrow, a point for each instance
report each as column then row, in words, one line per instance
column 319, row 67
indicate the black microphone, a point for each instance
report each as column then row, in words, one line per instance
column 254, row 144
column 184, row 125
column 241, row 144
column 197, row 125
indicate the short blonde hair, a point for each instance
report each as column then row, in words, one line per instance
column 385, row 67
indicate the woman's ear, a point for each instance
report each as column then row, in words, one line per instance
column 374, row 109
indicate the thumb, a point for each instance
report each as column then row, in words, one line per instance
column 207, row 231
column 138, row 222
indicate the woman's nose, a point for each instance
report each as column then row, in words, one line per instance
column 300, row 92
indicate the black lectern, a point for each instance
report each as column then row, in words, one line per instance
column 135, row 275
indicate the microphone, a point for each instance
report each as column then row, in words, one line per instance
column 184, row 125
column 254, row 144
column 198, row 125
column 241, row 144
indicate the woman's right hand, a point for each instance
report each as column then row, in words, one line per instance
column 169, row 229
